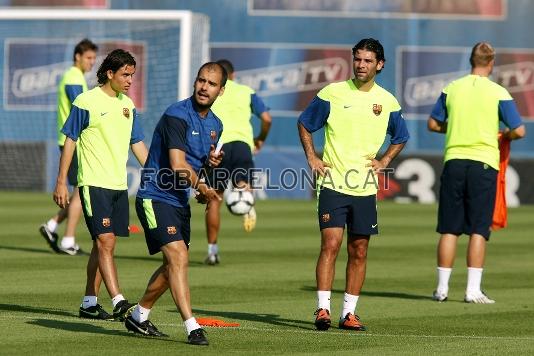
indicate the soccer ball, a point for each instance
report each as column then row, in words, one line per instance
column 239, row 201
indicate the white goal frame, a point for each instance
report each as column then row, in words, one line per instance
column 186, row 30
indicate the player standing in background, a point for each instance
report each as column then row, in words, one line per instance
column 235, row 109
column 357, row 114
column 71, row 85
column 468, row 113
column 183, row 142
column 103, row 124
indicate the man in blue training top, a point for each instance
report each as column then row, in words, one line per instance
column 183, row 143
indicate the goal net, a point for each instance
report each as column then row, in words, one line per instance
column 169, row 47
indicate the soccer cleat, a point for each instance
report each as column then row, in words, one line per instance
column 477, row 298
column 249, row 220
column 322, row 319
column 122, row 310
column 50, row 237
column 439, row 297
column 73, row 250
column 197, row 337
column 351, row 322
column 145, row 328
column 94, row 312
column 212, row 259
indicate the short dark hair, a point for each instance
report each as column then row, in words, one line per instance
column 372, row 45
column 114, row 61
column 481, row 54
column 216, row 66
column 84, row 46
column 227, row 65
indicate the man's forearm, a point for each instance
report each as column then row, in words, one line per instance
column 306, row 140
column 65, row 160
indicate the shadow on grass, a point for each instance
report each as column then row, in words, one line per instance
column 28, row 249
column 273, row 319
column 118, row 257
column 376, row 294
column 83, row 327
column 35, row 310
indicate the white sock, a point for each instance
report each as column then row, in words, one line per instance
column 444, row 274
column 474, row 278
column 116, row 299
column 51, row 225
column 140, row 314
column 89, row 301
column 349, row 304
column 68, row 241
column 191, row 324
column 323, row 299
column 213, row 249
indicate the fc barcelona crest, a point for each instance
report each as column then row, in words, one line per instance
column 377, row 109
column 213, row 135
column 106, row 222
column 171, row 230
column 126, row 112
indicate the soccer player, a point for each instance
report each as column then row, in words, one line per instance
column 235, row 109
column 468, row 112
column 183, row 143
column 356, row 114
column 103, row 124
column 71, row 85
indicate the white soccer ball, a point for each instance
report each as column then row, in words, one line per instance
column 239, row 201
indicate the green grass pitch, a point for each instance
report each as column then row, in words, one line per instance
column 266, row 283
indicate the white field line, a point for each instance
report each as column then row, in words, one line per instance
column 286, row 330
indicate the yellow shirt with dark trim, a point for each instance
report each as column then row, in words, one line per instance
column 356, row 123
column 235, row 108
column 472, row 106
column 104, row 128
column 71, row 85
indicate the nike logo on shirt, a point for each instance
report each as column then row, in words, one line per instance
column 103, row 113
column 194, row 132
column 346, row 106
column 374, row 226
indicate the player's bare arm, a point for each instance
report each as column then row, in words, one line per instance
column 390, row 154
column 61, row 193
column 315, row 163
column 185, row 171
column 436, row 126
column 266, row 121
column 515, row 134
column 140, row 152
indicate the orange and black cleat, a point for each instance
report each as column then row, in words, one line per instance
column 322, row 319
column 351, row 322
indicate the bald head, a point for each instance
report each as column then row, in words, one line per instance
column 482, row 55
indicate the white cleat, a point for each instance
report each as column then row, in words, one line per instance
column 478, row 298
column 249, row 220
column 212, row 259
column 439, row 296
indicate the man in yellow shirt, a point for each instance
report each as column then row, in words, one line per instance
column 468, row 112
column 235, row 109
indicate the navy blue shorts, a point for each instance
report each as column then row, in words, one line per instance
column 163, row 223
column 105, row 211
column 235, row 166
column 358, row 213
column 466, row 198
column 72, row 175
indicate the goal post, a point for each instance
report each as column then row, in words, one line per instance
column 37, row 45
